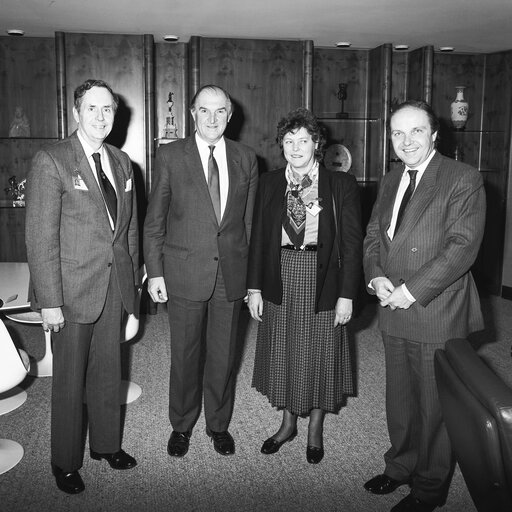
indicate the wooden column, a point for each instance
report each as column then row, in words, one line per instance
column 62, row 112
column 149, row 110
column 194, row 73
column 307, row 81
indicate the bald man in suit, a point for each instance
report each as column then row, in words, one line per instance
column 82, row 246
column 417, row 260
column 196, row 237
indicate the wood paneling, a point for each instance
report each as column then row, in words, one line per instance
column 27, row 79
column 15, row 158
column 12, row 234
column 119, row 60
column 264, row 78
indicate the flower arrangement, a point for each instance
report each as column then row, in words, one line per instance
column 17, row 191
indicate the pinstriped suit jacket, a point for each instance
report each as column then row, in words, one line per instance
column 182, row 239
column 432, row 253
column 70, row 245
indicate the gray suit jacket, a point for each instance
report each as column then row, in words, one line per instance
column 70, row 244
column 432, row 253
column 182, row 239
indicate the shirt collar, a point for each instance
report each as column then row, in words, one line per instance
column 205, row 146
column 87, row 147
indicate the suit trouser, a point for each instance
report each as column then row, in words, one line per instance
column 87, row 359
column 420, row 449
column 188, row 379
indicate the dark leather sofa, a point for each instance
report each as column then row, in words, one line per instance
column 477, row 410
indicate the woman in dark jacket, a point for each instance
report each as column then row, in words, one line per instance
column 304, row 270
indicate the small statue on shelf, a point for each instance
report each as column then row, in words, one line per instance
column 170, row 130
column 342, row 96
column 16, row 191
column 20, row 126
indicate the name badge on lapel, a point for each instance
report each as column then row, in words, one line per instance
column 128, row 185
column 78, row 182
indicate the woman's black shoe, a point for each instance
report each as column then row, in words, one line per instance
column 314, row 454
column 272, row 446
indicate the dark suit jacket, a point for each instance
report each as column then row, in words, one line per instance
column 333, row 280
column 182, row 239
column 70, row 244
column 432, row 253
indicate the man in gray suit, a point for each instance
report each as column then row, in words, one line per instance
column 423, row 237
column 196, row 237
column 82, row 246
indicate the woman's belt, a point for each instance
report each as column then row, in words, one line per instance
column 290, row 247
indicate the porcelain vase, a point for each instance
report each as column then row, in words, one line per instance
column 459, row 109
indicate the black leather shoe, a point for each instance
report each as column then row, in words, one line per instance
column 118, row 460
column 383, row 484
column 412, row 504
column 314, row 454
column 70, row 483
column 222, row 442
column 272, row 446
column 178, row 443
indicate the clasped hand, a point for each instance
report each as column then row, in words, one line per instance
column 390, row 296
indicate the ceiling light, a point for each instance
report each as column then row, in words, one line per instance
column 401, row 47
column 16, row 32
column 171, row 38
column 343, row 44
column 446, row 48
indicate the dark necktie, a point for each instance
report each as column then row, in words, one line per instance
column 213, row 182
column 109, row 194
column 406, row 198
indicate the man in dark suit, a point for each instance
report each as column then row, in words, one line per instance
column 417, row 260
column 196, row 236
column 82, row 240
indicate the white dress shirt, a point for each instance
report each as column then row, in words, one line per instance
column 105, row 165
column 222, row 163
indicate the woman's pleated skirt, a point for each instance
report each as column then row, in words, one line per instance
column 302, row 361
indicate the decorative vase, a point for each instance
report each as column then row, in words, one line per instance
column 459, row 109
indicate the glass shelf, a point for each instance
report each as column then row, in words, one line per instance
column 345, row 119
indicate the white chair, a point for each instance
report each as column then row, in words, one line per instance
column 14, row 366
column 130, row 391
column 43, row 367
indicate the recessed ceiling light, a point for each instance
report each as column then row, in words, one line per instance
column 401, row 47
column 446, row 48
column 16, row 32
column 171, row 38
column 343, row 44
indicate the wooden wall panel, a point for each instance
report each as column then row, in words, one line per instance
column 12, row 234
column 117, row 59
column 419, row 76
column 27, row 79
column 399, row 77
column 497, row 166
column 264, row 78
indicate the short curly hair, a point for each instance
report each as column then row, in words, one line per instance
column 302, row 118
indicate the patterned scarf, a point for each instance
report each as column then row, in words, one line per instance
column 294, row 222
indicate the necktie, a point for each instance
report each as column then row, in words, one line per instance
column 109, row 194
column 406, row 198
column 213, row 182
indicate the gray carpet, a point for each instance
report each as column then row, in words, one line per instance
column 205, row 481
